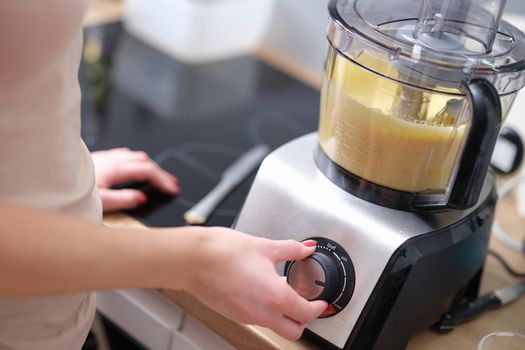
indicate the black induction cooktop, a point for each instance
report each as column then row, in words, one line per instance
column 195, row 120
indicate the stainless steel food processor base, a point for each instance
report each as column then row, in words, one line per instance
column 292, row 199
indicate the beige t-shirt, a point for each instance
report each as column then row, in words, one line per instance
column 43, row 161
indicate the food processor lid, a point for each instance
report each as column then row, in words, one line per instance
column 433, row 44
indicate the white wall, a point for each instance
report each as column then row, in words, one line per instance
column 298, row 30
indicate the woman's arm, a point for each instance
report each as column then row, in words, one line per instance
column 43, row 253
column 46, row 253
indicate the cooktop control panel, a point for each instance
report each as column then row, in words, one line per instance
column 328, row 274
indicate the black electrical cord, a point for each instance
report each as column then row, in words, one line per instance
column 505, row 265
column 465, row 311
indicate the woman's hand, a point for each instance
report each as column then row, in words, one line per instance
column 231, row 272
column 121, row 165
column 235, row 274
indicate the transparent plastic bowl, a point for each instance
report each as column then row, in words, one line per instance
column 502, row 341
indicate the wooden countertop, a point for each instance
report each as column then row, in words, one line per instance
column 103, row 11
column 466, row 336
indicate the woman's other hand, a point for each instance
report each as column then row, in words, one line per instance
column 121, row 165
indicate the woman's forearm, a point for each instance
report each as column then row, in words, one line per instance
column 44, row 253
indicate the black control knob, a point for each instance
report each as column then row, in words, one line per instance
column 314, row 278
column 328, row 274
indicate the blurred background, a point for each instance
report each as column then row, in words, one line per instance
column 289, row 34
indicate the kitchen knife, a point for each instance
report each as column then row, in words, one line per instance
column 230, row 178
column 489, row 301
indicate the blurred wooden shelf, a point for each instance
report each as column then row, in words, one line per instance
column 103, row 11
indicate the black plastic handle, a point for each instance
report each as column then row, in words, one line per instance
column 485, row 125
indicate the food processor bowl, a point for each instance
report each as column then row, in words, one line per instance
column 413, row 97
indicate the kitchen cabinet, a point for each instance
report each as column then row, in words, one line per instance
column 156, row 322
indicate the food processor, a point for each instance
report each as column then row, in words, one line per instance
column 395, row 186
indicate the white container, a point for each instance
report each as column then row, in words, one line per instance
column 199, row 31
column 516, row 113
column 156, row 322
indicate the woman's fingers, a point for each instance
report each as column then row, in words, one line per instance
column 290, row 250
column 147, row 171
column 121, row 199
column 292, row 328
column 299, row 309
column 121, row 165
column 293, row 305
column 287, row 328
